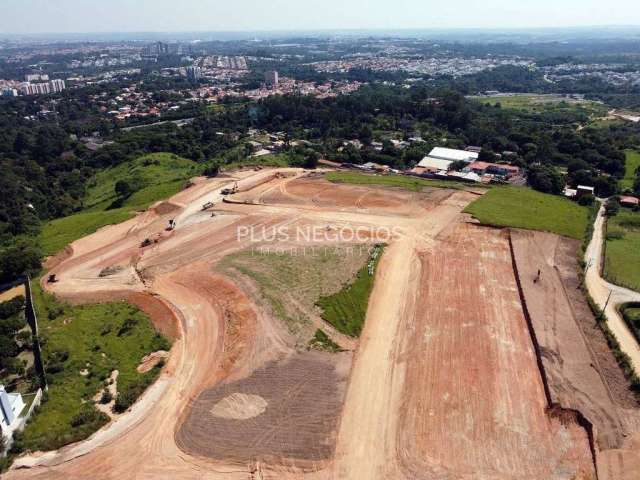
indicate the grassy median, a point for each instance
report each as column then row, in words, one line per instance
column 346, row 310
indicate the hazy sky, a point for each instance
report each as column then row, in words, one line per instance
column 47, row 16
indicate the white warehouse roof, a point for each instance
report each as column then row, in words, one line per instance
column 453, row 155
column 435, row 163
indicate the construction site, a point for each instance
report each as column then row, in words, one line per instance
column 479, row 357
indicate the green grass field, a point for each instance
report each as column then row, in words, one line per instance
column 409, row 183
column 622, row 261
column 292, row 282
column 157, row 176
column 96, row 339
column 346, row 310
column 274, row 160
column 58, row 233
column 631, row 314
column 526, row 208
column 544, row 103
column 631, row 165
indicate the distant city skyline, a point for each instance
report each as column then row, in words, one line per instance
column 81, row 16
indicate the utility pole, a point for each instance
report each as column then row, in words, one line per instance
column 607, row 302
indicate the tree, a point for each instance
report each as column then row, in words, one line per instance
column 606, row 186
column 586, row 200
column 636, row 185
column 123, row 189
column 545, row 179
column 612, row 208
column 24, row 256
column 457, row 165
column 486, row 156
column 311, row 158
column 365, row 135
column 212, row 171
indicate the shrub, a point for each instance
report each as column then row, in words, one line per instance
column 106, row 396
column 87, row 415
column 127, row 326
column 11, row 307
column 612, row 208
column 615, row 235
column 55, row 312
column 586, row 200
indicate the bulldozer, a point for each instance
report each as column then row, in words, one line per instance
column 230, row 191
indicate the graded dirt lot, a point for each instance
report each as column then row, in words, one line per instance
column 316, row 192
column 442, row 384
column 581, row 371
column 475, row 404
column 288, row 413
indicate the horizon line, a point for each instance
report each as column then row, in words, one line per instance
column 333, row 30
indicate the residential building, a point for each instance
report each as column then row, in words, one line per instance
column 629, row 201
column 36, row 77
column 157, row 48
column 194, row 73
column 35, row 88
column 271, row 78
column 57, row 85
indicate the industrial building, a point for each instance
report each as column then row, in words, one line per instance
column 441, row 158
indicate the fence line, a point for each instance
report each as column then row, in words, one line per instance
column 32, row 319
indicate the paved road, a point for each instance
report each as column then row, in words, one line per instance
column 600, row 289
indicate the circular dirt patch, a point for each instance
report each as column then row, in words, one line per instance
column 239, row 406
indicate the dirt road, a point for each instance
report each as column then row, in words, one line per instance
column 608, row 294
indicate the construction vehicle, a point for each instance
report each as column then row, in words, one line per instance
column 230, row 191
column 208, row 205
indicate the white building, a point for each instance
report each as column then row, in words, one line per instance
column 441, row 158
column 453, row 155
column 37, row 77
column 11, row 406
column 57, row 85
column 434, row 163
